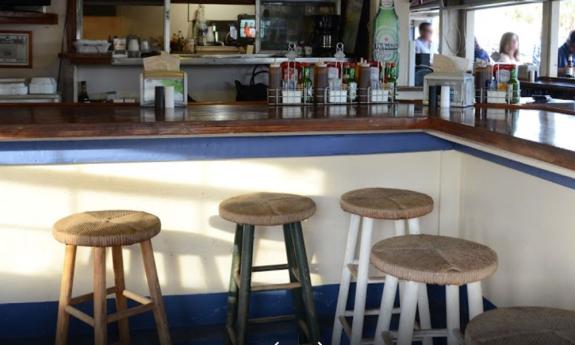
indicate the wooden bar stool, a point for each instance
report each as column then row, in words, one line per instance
column 522, row 326
column 269, row 209
column 428, row 259
column 99, row 230
column 365, row 206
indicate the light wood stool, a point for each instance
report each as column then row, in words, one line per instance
column 522, row 326
column 269, row 209
column 365, row 206
column 99, row 230
column 428, row 259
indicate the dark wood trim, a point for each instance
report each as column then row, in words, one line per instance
column 484, row 125
column 71, row 25
column 31, row 19
column 543, row 152
column 88, row 59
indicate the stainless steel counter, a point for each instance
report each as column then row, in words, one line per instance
column 225, row 60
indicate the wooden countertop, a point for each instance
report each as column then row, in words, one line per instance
column 540, row 134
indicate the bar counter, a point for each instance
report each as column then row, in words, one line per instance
column 500, row 177
column 540, row 134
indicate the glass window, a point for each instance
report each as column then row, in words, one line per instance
column 524, row 20
column 566, row 19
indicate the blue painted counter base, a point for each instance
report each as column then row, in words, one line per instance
column 211, row 148
column 201, row 310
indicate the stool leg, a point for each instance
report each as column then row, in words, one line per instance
column 474, row 299
column 100, row 310
column 233, row 287
column 245, row 284
column 121, row 300
column 66, row 285
column 399, row 227
column 423, row 300
column 155, row 292
column 407, row 316
column 386, row 308
column 413, row 226
column 304, row 278
column 400, row 230
column 293, row 277
column 345, row 278
column 361, row 285
column 424, row 314
column 452, row 306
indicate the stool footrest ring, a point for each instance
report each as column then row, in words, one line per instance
column 146, row 304
column 90, row 296
column 269, row 287
column 419, row 335
column 267, row 268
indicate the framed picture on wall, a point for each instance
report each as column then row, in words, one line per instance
column 15, row 49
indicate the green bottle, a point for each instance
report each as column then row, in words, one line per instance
column 386, row 34
column 514, row 85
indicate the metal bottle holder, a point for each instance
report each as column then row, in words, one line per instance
column 290, row 93
column 378, row 95
column 336, row 94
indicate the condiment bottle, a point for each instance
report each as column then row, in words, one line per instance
column 320, row 82
column 364, row 81
column 275, row 83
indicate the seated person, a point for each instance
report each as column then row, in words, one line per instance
column 566, row 51
column 423, row 44
column 508, row 49
column 480, row 53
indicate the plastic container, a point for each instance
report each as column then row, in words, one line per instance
column 92, row 46
column 43, row 86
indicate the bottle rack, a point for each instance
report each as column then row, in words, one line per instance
column 326, row 96
column 484, row 95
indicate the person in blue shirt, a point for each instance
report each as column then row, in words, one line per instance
column 565, row 51
column 480, row 53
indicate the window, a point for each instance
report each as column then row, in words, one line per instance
column 566, row 19
column 524, row 20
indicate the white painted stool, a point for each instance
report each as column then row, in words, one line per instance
column 522, row 326
column 365, row 206
column 428, row 259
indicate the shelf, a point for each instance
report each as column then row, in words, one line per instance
column 88, row 59
column 30, row 18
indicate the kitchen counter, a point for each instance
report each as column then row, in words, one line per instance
column 191, row 59
column 539, row 134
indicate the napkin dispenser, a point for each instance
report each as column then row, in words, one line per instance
column 451, row 71
column 462, row 87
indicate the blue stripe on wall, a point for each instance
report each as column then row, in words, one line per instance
column 199, row 148
column 528, row 169
column 194, row 311
column 204, row 148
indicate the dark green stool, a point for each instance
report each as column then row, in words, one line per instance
column 269, row 209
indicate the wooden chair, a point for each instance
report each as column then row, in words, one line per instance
column 100, row 230
column 269, row 209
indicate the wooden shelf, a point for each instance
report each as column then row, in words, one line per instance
column 88, row 59
column 28, row 18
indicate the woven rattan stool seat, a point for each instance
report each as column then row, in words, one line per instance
column 106, row 228
column 522, row 326
column 386, row 203
column 434, row 259
column 267, row 209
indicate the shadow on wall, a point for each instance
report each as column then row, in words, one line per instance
column 193, row 252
